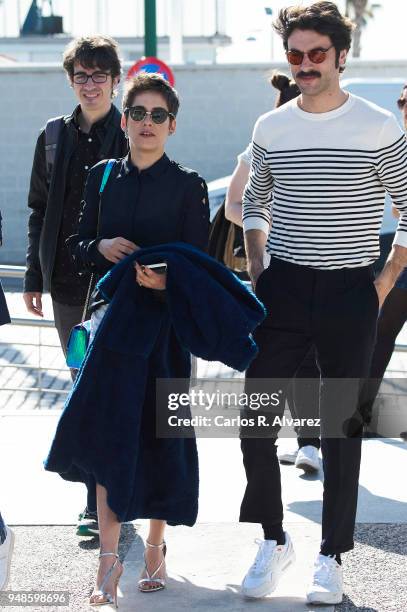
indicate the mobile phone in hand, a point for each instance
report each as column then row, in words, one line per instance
column 158, row 268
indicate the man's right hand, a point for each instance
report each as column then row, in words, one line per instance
column 255, row 268
column 115, row 249
column 255, row 242
column 33, row 302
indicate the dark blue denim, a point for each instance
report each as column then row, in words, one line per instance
column 4, row 313
column 2, row 530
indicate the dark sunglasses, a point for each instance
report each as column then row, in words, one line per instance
column 80, row 78
column 316, row 56
column 401, row 102
column 139, row 113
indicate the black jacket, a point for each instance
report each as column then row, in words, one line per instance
column 46, row 200
column 164, row 203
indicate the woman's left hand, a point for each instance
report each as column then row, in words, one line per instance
column 149, row 279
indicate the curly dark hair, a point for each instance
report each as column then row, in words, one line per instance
column 92, row 51
column 322, row 17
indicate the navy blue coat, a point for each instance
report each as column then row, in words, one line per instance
column 108, row 426
column 4, row 313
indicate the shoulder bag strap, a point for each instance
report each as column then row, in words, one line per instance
column 106, row 174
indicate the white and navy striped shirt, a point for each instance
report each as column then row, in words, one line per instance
column 322, row 178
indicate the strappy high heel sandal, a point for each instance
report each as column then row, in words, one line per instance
column 106, row 598
column 155, row 584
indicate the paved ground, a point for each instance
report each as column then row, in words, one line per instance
column 206, row 567
column 206, row 563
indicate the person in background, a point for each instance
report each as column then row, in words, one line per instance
column 6, row 534
column 91, row 133
column 303, row 394
column 392, row 317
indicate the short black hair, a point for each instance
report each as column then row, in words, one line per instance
column 151, row 81
column 322, row 17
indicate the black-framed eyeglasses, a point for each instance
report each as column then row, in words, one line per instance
column 316, row 56
column 80, row 78
column 139, row 113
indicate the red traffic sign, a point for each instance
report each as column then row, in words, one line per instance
column 152, row 64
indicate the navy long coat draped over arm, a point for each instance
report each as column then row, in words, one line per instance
column 108, row 426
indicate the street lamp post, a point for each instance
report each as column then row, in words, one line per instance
column 150, row 28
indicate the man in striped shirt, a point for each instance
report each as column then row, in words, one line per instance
column 314, row 201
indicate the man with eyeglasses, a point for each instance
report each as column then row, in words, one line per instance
column 315, row 198
column 63, row 155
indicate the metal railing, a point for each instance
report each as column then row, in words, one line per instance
column 18, row 272
column 11, row 271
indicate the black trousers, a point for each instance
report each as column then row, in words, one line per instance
column 335, row 311
column 303, row 399
column 65, row 317
column 392, row 317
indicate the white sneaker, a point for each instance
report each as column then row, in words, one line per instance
column 270, row 563
column 307, row 459
column 288, row 455
column 327, row 583
column 6, row 551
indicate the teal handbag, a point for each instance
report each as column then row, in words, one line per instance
column 78, row 340
column 78, row 343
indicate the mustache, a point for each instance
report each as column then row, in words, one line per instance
column 313, row 73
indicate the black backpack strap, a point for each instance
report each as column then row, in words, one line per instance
column 52, row 131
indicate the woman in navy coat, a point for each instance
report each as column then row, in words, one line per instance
column 148, row 200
